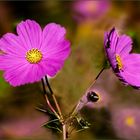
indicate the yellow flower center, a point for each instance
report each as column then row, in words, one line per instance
column 130, row 121
column 119, row 61
column 33, row 56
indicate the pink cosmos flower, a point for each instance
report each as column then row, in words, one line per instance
column 126, row 122
column 33, row 53
column 23, row 127
column 126, row 65
column 90, row 9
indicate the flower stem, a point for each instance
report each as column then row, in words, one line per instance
column 79, row 102
column 47, row 83
column 64, row 132
column 59, row 114
column 48, row 102
column 58, row 108
column 54, row 99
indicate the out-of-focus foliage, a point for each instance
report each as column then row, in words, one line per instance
column 17, row 105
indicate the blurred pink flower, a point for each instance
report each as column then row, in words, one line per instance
column 23, row 127
column 89, row 9
column 126, row 122
column 33, row 52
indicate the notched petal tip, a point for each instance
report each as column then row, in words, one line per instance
column 107, row 36
column 54, row 27
column 113, row 29
column 28, row 20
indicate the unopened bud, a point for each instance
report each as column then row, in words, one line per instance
column 92, row 96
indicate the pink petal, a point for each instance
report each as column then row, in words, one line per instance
column 18, row 71
column 131, row 78
column 114, row 40
column 51, row 66
column 131, row 69
column 30, row 34
column 10, row 61
column 10, row 43
column 132, row 63
column 111, row 39
column 23, row 74
column 111, row 58
column 52, row 35
column 60, row 52
column 132, row 60
column 105, row 39
column 16, row 74
column 124, row 45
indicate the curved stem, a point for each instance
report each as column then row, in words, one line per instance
column 79, row 102
column 50, row 106
column 47, row 83
column 48, row 102
column 57, row 106
column 59, row 114
column 54, row 99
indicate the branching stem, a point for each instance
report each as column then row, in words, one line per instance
column 59, row 115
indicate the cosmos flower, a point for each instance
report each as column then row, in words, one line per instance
column 89, row 9
column 126, row 65
column 26, row 126
column 33, row 53
column 126, row 122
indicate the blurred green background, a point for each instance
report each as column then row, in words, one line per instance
column 19, row 120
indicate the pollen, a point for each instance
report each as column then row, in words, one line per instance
column 130, row 121
column 33, row 56
column 119, row 62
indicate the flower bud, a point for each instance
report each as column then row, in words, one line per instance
column 92, row 96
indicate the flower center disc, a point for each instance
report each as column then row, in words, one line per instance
column 130, row 121
column 33, row 56
column 119, row 61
